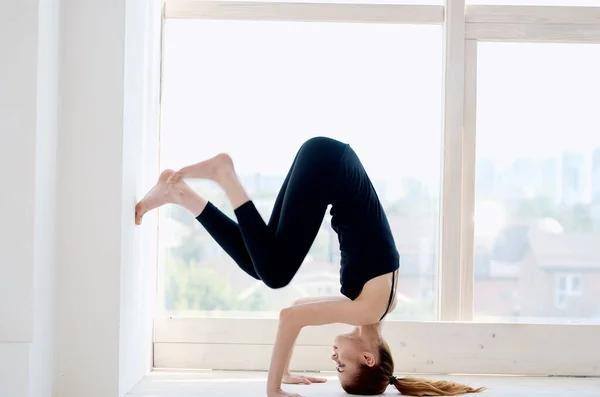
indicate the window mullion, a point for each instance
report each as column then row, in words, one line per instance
column 453, row 120
column 468, row 182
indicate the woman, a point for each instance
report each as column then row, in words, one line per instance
column 324, row 172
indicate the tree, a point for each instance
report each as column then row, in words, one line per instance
column 189, row 287
column 573, row 218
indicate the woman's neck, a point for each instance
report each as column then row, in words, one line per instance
column 371, row 332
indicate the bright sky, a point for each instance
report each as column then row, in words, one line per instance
column 537, row 100
column 259, row 89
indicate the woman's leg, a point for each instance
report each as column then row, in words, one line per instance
column 225, row 231
column 221, row 228
column 228, row 235
column 278, row 249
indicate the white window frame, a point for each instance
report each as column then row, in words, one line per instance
column 454, row 344
column 303, row 12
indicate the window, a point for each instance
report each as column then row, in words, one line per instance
column 538, row 151
column 258, row 90
column 240, row 77
column 567, row 286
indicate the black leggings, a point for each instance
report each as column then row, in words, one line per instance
column 273, row 252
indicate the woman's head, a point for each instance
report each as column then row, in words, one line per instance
column 365, row 367
column 360, row 356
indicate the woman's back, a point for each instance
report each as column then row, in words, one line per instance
column 367, row 245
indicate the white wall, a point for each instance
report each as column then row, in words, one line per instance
column 77, row 290
column 140, row 152
column 14, row 366
column 42, row 368
column 28, row 96
column 89, row 186
column 106, row 297
column 18, row 40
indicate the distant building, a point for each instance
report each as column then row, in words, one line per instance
column 573, row 178
column 596, row 175
column 549, row 181
column 526, row 178
column 485, row 178
column 540, row 275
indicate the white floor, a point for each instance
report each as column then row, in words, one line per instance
column 252, row 384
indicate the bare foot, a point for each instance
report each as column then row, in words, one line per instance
column 214, row 169
column 160, row 194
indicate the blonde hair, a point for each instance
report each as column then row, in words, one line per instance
column 376, row 379
column 424, row 387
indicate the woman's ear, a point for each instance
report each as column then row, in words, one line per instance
column 369, row 359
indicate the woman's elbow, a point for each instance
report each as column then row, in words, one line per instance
column 286, row 314
column 288, row 318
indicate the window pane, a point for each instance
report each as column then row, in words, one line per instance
column 561, row 301
column 537, row 220
column 575, row 287
column 562, row 283
column 258, row 90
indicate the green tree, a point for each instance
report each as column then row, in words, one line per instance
column 189, row 287
column 531, row 209
column 576, row 218
column 573, row 218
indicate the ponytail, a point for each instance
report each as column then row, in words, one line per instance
column 424, row 387
column 374, row 380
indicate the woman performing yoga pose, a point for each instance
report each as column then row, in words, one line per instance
column 324, row 172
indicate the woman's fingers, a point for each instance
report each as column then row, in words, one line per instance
column 296, row 380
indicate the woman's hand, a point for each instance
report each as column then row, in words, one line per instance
column 301, row 379
column 281, row 393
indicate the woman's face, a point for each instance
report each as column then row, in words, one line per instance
column 350, row 352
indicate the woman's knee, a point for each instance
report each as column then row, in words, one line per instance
column 276, row 282
column 320, row 152
column 279, row 277
column 318, row 143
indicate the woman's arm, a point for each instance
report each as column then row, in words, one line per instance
column 303, row 301
column 313, row 299
column 287, row 333
column 294, row 318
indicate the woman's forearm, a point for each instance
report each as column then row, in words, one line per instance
column 287, row 333
column 286, row 369
column 303, row 301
